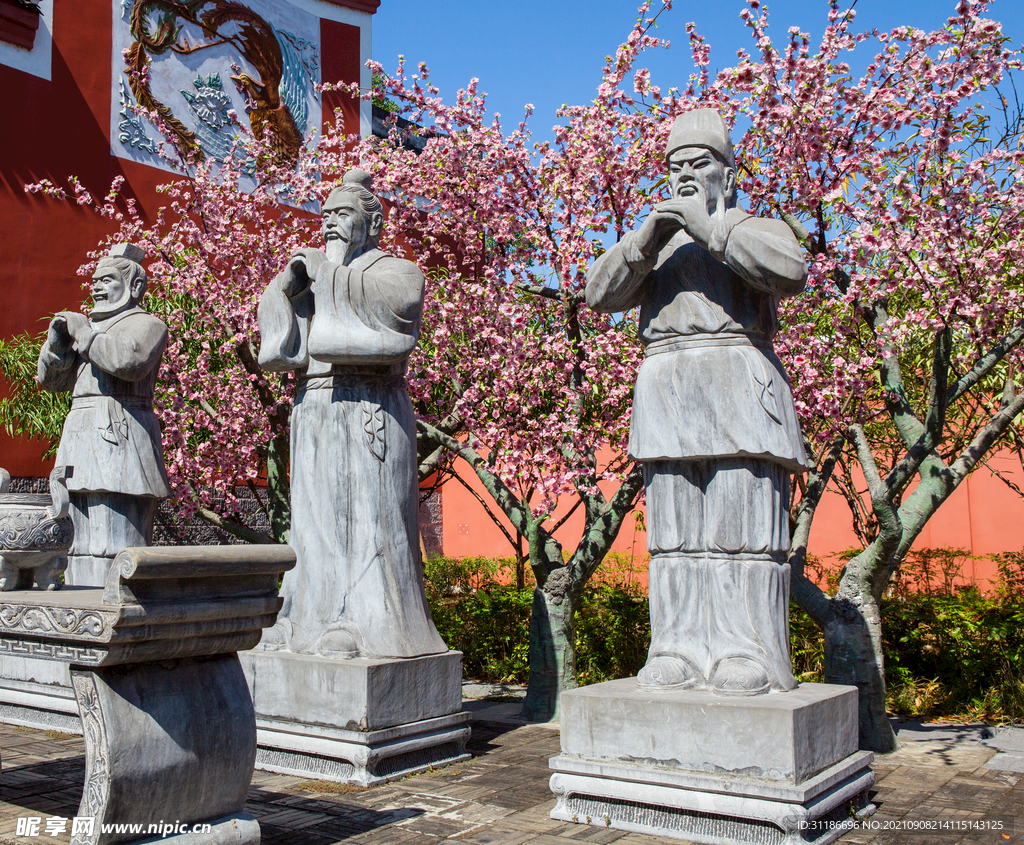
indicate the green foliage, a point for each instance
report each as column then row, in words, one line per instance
column 950, row 651
column 959, row 653
column 479, row 611
column 484, row 617
column 29, row 411
column 379, row 100
column 613, row 632
column 806, row 646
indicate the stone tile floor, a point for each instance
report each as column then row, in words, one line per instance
column 501, row 796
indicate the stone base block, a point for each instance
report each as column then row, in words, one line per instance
column 781, row 768
column 37, row 693
column 362, row 721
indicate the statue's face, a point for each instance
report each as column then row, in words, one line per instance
column 344, row 223
column 690, row 167
column 110, row 293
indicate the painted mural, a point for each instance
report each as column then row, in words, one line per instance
column 195, row 61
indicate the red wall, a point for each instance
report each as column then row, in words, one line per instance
column 59, row 128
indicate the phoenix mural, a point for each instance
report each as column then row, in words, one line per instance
column 234, row 55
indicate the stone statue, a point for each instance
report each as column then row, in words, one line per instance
column 111, row 437
column 713, row 422
column 346, row 322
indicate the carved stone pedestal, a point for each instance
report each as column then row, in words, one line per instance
column 170, row 734
column 781, row 768
column 357, row 720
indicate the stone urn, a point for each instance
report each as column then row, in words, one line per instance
column 35, row 534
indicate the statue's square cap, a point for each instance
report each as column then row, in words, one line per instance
column 701, row 128
column 129, row 251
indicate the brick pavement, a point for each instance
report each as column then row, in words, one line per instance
column 501, row 796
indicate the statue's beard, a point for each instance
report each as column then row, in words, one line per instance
column 337, row 251
column 101, row 311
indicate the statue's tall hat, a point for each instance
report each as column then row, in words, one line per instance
column 129, row 251
column 701, row 128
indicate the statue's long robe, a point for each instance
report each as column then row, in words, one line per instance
column 354, row 490
column 715, row 426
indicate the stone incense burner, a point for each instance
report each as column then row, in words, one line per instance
column 35, row 534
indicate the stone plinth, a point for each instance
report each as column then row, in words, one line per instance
column 357, row 720
column 170, row 734
column 777, row 768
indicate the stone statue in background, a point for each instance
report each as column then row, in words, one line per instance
column 111, row 437
column 713, row 422
column 346, row 322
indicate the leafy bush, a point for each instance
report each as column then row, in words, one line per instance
column 950, row 651
column 479, row 611
column 958, row 654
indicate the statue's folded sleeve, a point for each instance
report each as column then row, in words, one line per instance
column 284, row 321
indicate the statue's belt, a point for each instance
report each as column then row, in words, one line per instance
column 103, row 400
column 354, row 379
column 703, row 341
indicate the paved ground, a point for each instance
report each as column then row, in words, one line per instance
column 501, row 797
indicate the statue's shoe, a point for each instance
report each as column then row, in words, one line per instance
column 277, row 637
column 337, row 643
column 667, row 672
column 739, row 676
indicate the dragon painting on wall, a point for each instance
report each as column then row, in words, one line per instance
column 272, row 70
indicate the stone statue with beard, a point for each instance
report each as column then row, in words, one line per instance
column 111, row 437
column 714, row 423
column 345, row 322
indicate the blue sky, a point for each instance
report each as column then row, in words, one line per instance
column 550, row 52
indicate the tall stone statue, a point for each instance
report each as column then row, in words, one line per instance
column 713, row 422
column 346, row 322
column 111, row 437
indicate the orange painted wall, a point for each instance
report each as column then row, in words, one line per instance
column 52, row 129
column 983, row 516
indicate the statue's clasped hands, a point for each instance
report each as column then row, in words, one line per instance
column 688, row 212
column 294, row 279
column 66, row 328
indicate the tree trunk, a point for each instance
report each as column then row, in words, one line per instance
column 520, row 562
column 278, row 488
column 552, row 646
column 853, row 655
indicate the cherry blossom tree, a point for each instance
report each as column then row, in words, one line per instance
column 902, row 179
column 904, row 182
column 227, row 228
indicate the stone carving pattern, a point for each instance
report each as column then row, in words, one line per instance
column 53, row 620
column 307, row 53
column 439, row 755
column 130, row 130
column 97, row 764
column 631, row 815
column 63, row 652
column 34, row 530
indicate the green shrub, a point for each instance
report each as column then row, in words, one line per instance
column 950, row 651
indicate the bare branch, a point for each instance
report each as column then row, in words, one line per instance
column 890, row 528
column 985, row 363
column 541, row 290
column 808, row 594
column 935, row 420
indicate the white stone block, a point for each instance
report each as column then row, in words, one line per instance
column 779, row 768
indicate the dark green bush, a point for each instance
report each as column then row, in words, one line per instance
column 949, row 650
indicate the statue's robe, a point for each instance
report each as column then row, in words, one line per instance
column 111, row 437
column 357, row 588
column 715, row 426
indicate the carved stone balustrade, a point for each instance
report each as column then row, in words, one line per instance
column 170, row 732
